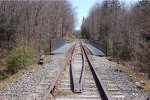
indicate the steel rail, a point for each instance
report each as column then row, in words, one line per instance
column 54, row 83
column 76, row 86
column 83, row 69
column 78, row 83
column 105, row 92
column 75, row 83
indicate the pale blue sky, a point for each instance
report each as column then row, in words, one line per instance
column 82, row 8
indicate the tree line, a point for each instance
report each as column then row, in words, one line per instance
column 126, row 32
column 33, row 24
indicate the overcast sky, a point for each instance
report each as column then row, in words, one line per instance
column 82, row 8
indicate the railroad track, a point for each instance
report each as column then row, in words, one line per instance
column 79, row 77
column 108, row 89
column 47, row 84
column 77, row 82
column 78, row 68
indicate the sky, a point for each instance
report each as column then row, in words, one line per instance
column 82, row 8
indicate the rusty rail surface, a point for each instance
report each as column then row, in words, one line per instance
column 105, row 94
column 54, row 83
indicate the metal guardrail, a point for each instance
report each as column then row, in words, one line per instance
column 99, row 45
column 57, row 43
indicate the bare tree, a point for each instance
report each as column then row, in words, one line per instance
column 124, row 31
column 35, row 22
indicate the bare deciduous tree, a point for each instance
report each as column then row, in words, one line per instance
column 35, row 22
column 124, row 31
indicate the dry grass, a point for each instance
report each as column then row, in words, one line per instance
column 4, row 84
column 136, row 77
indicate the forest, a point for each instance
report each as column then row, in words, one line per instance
column 125, row 30
column 26, row 30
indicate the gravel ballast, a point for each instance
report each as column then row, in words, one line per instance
column 26, row 85
column 128, row 88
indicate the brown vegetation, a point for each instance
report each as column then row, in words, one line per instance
column 31, row 24
column 125, row 31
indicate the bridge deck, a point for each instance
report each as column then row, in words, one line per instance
column 94, row 50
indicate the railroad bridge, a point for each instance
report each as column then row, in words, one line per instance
column 75, row 71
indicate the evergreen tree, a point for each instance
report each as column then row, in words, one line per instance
column 84, row 32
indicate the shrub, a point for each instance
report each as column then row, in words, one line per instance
column 47, row 48
column 3, row 74
column 19, row 58
column 109, row 47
